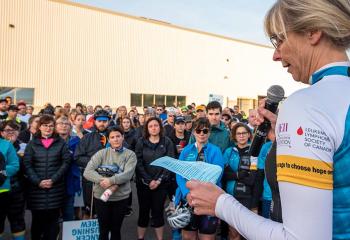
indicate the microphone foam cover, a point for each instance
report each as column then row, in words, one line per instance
column 275, row 93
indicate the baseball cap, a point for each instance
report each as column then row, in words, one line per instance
column 23, row 103
column 3, row 100
column 200, row 108
column 13, row 108
column 179, row 119
column 184, row 108
column 189, row 107
column 188, row 118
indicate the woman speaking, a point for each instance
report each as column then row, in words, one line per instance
column 313, row 174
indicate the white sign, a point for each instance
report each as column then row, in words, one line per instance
column 219, row 98
column 81, row 230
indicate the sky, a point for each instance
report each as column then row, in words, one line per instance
column 240, row 19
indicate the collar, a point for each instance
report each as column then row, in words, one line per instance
column 119, row 150
column 204, row 146
column 337, row 68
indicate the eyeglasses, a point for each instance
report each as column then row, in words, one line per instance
column 241, row 133
column 63, row 123
column 47, row 126
column 204, row 130
column 276, row 40
column 9, row 130
column 159, row 109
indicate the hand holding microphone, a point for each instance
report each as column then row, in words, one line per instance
column 266, row 119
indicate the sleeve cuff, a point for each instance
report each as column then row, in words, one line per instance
column 220, row 205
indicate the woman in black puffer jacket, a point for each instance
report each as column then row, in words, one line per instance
column 46, row 161
column 152, row 182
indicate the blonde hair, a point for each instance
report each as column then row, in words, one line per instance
column 332, row 17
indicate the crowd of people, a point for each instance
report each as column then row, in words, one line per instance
column 51, row 156
column 304, row 195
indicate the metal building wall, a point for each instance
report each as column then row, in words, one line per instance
column 74, row 53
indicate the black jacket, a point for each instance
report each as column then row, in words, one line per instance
column 42, row 163
column 176, row 141
column 87, row 147
column 146, row 153
column 24, row 136
column 130, row 138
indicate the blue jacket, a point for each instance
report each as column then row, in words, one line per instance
column 12, row 163
column 212, row 155
column 219, row 136
column 73, row 174
column 231, row 158
column 267, row 195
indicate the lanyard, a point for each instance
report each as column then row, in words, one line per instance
column 336, row 70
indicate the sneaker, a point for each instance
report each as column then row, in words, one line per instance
column 129, row 212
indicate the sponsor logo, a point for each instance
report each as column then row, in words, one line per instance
column 300, row 131
column 282, row 127
column 315, row 138
column 283, row 137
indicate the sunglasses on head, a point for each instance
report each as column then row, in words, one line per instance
column 204, row 130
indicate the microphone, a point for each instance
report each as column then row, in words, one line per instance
column 274, row 95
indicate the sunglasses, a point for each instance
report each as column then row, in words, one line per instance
column 204, row 130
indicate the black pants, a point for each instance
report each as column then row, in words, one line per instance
column 45, row 224
column 16, row 211
column 172, row 188
column 110, row 217
column 151, row 201
column 130, row 200
column 87, row 194
column 4, row 207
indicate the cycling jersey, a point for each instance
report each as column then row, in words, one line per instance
column 313, row 157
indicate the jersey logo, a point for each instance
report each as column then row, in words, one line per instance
column 315, row 139
column 282, row 127
column 283, row 137
column 300, row 131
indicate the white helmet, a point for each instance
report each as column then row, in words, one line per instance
column 179, row 217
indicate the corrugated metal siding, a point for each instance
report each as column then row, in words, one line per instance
column 75, row 54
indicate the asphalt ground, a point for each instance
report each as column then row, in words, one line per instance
column 129, row 228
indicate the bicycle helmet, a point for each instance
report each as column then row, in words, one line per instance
column 102, row 114
column 107, row 170
column 179, row 217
